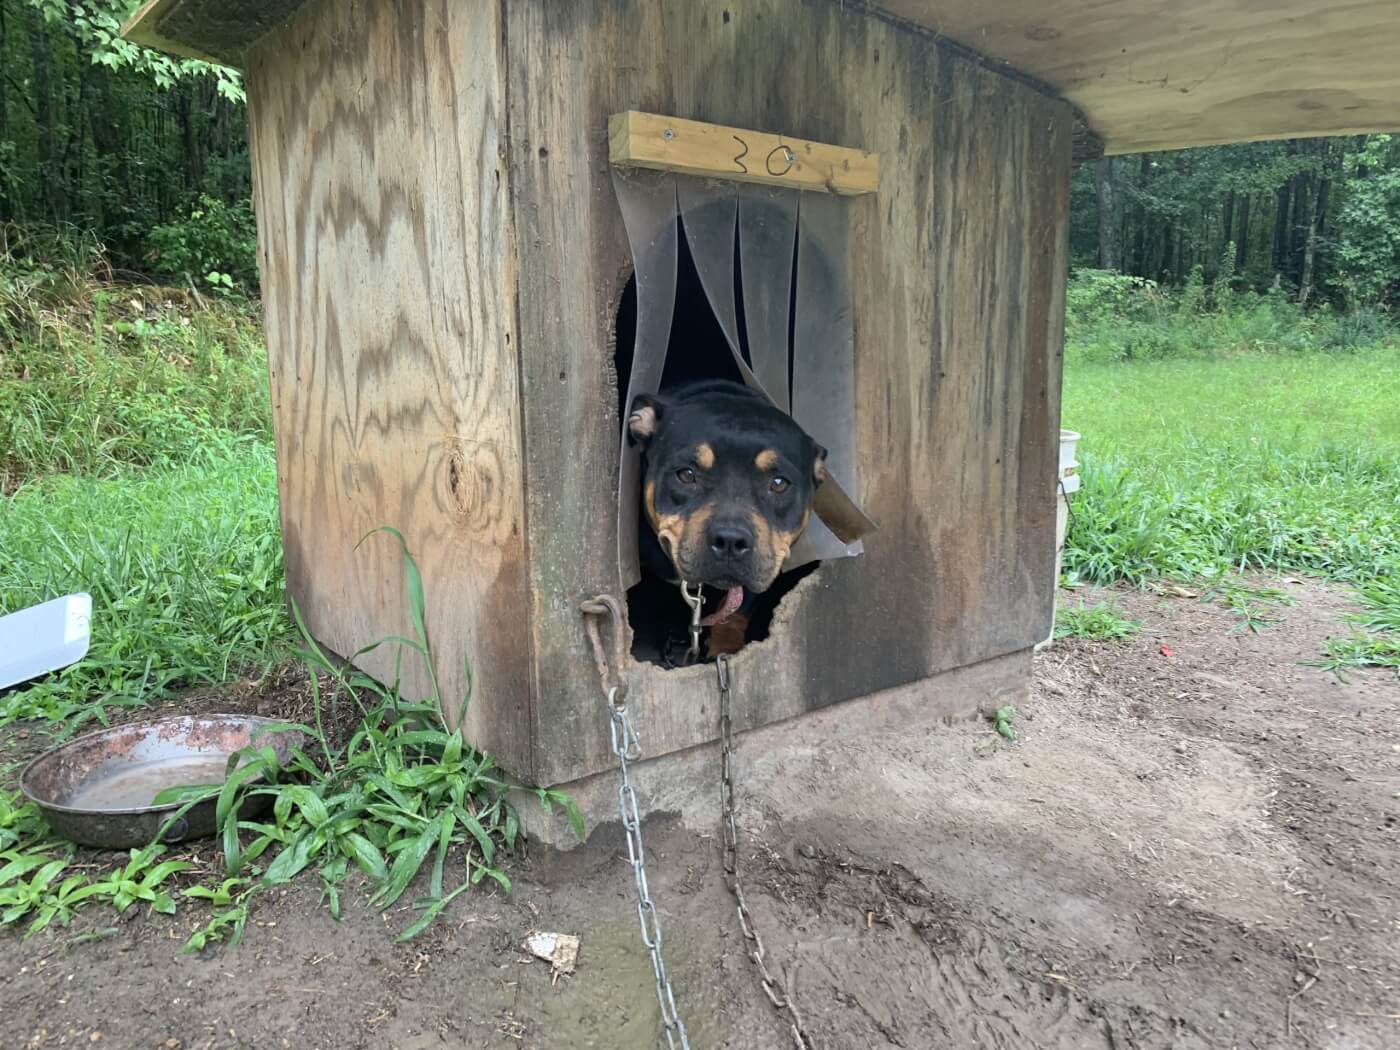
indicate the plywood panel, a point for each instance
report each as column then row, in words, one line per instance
column 1149, row 74
column 1161, row 75
column 958, row 266
column 387, row 258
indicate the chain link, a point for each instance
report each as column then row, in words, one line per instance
column 628, row 748
column 780, row 998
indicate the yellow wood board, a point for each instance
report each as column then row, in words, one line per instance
column 692, row 147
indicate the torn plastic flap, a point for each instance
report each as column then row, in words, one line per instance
column 824, row 373
column 767, row 240
column 648, row 203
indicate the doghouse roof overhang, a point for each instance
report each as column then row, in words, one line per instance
column 1147, row 74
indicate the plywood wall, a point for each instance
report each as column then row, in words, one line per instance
column 388, row 261
column 442, row 262
column 958, row 268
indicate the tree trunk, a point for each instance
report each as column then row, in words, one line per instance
column 1106, row 194
column 1242, row 241
column 44, row 118
column 1141, row 266
column 1281, row 246
column 1227, row 225
column 1316, row 214
column 5, row 207
column 1304, row 196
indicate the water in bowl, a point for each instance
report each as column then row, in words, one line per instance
column 136, row 785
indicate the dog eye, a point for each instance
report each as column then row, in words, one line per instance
column 779, row 484
column 687, row 475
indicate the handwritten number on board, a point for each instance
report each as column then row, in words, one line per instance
column 787, row 159
column 739, row 160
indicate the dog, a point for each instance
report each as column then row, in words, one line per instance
column 728, row 482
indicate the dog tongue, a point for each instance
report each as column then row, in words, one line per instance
column 733, row 598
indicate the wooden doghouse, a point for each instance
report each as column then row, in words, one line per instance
column 443, row 261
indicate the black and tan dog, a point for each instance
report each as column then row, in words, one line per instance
column 727, row 488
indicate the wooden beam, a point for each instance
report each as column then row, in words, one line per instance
column 218, row 31
column 691, row 147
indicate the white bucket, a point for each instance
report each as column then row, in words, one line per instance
column 1066, row 481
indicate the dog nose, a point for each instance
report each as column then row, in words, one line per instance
column 730, row 540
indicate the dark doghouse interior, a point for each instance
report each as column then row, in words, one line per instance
column 697, row 350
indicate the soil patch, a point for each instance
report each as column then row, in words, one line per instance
column 1187, row 850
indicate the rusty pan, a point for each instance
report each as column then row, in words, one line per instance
column 97, row 790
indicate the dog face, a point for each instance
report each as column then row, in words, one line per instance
column 728, row 482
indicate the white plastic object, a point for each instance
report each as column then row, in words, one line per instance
column 1066, row 482
column 44, row 638
column 1069, row 467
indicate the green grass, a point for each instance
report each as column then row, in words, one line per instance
column 1202, row 468
column 126, row 378
column 1102, row 622
column 184, row 564
column 135, row 464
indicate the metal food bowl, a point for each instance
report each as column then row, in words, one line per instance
column 97, row 790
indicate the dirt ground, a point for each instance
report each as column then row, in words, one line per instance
column 1187, row 850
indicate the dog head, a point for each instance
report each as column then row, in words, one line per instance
column 727, row 484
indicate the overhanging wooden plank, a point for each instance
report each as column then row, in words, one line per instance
column 692, row 147
column 212, row 30
column 1150, row 75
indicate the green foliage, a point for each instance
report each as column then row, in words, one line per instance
column 1097, row 296
column 1381, row 600
column 1377, row 641
column 42, row 882
column 215, row 241
column 1115, row 317
column 94, row 378
column 1002, row 719
column 1369, row 249
column 1251, row 604
column 184, row 564
column 97, row 25
column 1361, row 650
column 109, row 136
column 1100, row 623
column 1308, row 219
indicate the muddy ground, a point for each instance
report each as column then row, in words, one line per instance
column 1187, row 850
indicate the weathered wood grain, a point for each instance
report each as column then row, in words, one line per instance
column 957, row 269
column 388, row 263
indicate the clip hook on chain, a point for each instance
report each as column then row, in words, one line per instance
column 696, row 601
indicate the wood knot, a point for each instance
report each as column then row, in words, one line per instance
column 473, row 483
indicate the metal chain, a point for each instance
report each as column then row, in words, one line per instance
column 627, row 746
column 696, row 602
column 780, row 998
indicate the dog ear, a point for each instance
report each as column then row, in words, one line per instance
column 644, row 419
column 819, row 465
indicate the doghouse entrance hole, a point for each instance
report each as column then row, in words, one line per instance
column 697, row 350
